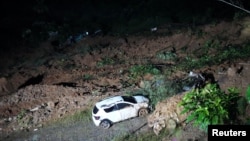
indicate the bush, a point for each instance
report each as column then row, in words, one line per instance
column 167, row 56
column 209, row 105
column 159, row 89
column 140, row 70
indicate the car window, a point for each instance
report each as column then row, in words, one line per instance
column 129, row 99
column 95, row 110
column 123, row 105
column 110, row 109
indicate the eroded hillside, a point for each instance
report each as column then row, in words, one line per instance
column 51, row 81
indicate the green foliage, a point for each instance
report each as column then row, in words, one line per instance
column 241, row 105
column 167, row 56
column 24, row 120
column 21, row 115
column 209, row 105
column 105, row 61
column 159, row 89
column 248, row 94
column 211, row 44
column 87, row 77
column 82, row 116
column 140, row 70
column 188, row 63
column 205, row 58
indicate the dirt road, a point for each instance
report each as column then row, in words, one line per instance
column 80, row 131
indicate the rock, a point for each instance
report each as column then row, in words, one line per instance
column 171, row 125
column 35, row 109
column 167, row 114
column 9, row 119
column 50, row 105
column 231, row 72
column 234, row 70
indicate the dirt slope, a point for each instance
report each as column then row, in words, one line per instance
column 52, row 81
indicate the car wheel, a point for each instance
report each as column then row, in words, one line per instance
column 105, row 124
column 142, row 112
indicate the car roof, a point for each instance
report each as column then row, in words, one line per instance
column 107, row 102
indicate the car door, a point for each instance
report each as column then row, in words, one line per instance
column 127, row 110
column 112, row 113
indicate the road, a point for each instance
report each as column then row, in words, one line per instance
column 80, row 131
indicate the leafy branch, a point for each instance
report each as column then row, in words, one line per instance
column 209, row 105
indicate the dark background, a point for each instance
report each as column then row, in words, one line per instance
column 111, row 16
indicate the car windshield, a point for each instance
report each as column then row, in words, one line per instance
column 129, row 99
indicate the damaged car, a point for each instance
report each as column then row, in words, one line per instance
column 119, row 108
column 193, row 80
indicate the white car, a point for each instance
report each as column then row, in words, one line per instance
column 118, row 108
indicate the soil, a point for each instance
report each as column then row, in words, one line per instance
column 42, row 84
